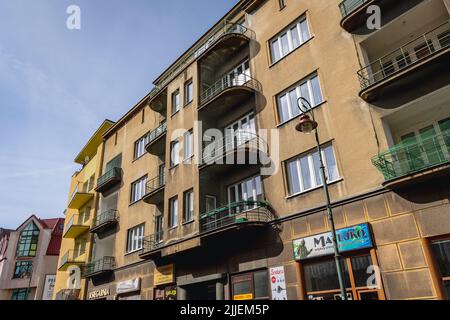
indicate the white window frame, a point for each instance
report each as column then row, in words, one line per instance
column 174, row 153
column 175, row 101
column 188, row 92
column 173, row 214
column 235, row 138
column 139, row 146
column 276, row 43
column 188, row 206
column 138, row 189
column 313, row 175
column 245, row 194
column 135, row 238
column 188, row 139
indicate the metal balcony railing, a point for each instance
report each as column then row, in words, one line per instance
column 68, row 294
column 239, row 140
column 239, row 80
column 104, row 264
column 235, row 213
column 155, row 183
column 106, row 217
column 77, row 220
column 222, row 29
column 409, row 54
column 152, row 242
column 410, row 157
column 114, row 173
column 155, row 134
column 72, row 256
column 348, row 6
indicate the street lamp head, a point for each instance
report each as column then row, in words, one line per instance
column 306, row 124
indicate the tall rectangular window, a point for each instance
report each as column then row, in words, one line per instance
column 176, row 101
column 304, row 172
column 139, row 146
column 135, row 238
column 23, row 269
column 174, row 153
column 138, row 189
column 289, row 39
column 20, row 294
column 188, row 144
column 287, row 101
column 188, row 92
column 188, row 206
column 159, row 225
column 173, row 212
column 441, row 250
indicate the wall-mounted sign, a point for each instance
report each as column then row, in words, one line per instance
column 49, row 285
column 98, row 294
column 128, row 286
column 247, row 296
column 170, row 293
column 351, row 238
column 278, row 283
column 163, row 275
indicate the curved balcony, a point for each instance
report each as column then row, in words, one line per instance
column 242, row 148
column 156, row 140
column 109, row 180
column 72, row 257
column 406, row 65
column 227, row 93
column 76, row 226
column 99, row 267
column 154, row 191
column 68, row 294
column 236, row 215
column 413, row 161
column 152, row 245
column 104, row 221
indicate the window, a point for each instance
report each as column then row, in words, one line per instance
column 174, row 153
column 135, row 237
column 20, row 294
column 287, row 102
column 28, row 240
column 175, row 101
column 246, row 190
column 138, row 189
column 239, row 75
column 282, row 4
column 188, row 206
column 139, row 146
column 23, row 269
column 91, row 184
column 240, row 131
column 159, row 224
column 289, row 39
column 173, row 212
column 304, row 172
column 188, row 92
column 188, row 144
column 250, row 286
column 441, row 250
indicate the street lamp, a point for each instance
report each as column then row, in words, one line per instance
column 306, row 125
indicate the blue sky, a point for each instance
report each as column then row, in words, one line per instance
column 58, row 85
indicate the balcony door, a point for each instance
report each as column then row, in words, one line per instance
column 240, row 131
column 246, row 190
column 239, row 75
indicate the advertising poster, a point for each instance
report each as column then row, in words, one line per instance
column 278, row 283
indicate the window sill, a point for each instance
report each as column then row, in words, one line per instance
column 188, row 160
column 174, row 166
column 172, row 228
column 313, row 189
column 300, row 46
column 187, row 104
column 174, row 114
column 132, row 252
column 188, row 222
column 297, row 116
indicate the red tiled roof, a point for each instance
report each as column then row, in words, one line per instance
column 55, row 242
column 49, row 223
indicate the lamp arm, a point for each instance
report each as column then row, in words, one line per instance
column 305, row 106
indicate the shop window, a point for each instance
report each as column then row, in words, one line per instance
column 250, row 286
column 441, row 250
column 20, row 294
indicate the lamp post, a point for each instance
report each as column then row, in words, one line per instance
column 307, row 125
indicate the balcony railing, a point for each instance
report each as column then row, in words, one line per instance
column 105, row 218
column 72, row 256
column 240, row 80
column 115, row 174
column 411, row 157
column 349, row 6
column 68, row 294
column 156, row 133
column 156, row 183
column 76, row 224
column 102, row 265
column 236, row 213
column 402, row 58
column 195, row 52
column 152, row 242
column 240, row 140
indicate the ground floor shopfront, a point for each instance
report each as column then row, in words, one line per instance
column 395, row 245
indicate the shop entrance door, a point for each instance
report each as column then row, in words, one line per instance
column 201, row 291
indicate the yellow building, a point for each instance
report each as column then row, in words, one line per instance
column 80, row 213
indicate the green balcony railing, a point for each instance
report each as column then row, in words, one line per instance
column 348, row 6
column 152, row 242
column 113, row 174
column 104, row 264
column 155, row 134
column 411, row 157
column 107, row 217
column 235, row 213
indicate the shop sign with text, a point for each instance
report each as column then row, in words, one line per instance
column 348, row 239
column 163, row 275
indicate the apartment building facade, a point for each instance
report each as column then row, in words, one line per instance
column 29, row 258
column 194, row 225
column 81, row 219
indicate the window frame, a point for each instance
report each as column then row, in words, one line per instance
column 188, row 136
column 174, row 153
column 172, row 222
column 188, row 84
column 20, row 265
column 143, row 179
column 245, row 278
column 135, row 238
column 28, row 240
column 188, row 201
column 140, row 143
column 176, row 104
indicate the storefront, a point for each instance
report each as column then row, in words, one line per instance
column 440, row 249
column 359, row 264
column 129, row 289
column 210, row 287
column 99, row 294
column 163, row 281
